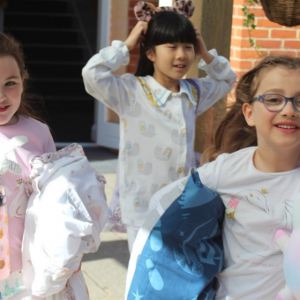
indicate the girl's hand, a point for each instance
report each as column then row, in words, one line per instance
column 201, row 50
column 135, row 35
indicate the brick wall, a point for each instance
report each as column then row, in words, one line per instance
column 272, row 37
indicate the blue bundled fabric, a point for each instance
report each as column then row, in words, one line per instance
column 180, row 246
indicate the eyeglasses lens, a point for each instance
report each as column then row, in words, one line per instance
column 275, row 102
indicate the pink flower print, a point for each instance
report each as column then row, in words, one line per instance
column 231, row 207
column 233, row 203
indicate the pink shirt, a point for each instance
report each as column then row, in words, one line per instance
column 39, row 141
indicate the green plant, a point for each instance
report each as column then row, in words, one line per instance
column 249, row 22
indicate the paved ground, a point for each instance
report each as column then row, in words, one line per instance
column 105, row 270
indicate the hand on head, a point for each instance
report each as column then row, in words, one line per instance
column 135, row 36
column 201, row 50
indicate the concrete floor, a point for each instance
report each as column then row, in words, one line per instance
column 105, row 271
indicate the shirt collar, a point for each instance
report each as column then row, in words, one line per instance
column 158, row 95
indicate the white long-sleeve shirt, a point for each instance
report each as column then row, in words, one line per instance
column 157, row 127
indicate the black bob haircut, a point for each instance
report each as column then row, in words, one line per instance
column 164, row 27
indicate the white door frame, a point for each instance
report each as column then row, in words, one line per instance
column 104, row 133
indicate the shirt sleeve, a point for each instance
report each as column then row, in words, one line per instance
column 218, row 82
column 117, row 92
column 209, row 173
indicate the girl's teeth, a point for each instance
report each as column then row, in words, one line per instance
column 286, row 127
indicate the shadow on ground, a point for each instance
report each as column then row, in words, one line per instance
column 117, row 250
column 100, row 153
column 104, row 160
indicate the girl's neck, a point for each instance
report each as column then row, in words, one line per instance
column 168, row 83
column 275, row 161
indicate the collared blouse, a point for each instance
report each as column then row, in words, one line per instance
column 157, row 126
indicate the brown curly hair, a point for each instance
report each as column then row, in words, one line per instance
column 232, row 132
column 9, row 46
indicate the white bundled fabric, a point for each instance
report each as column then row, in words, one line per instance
column 66, row 212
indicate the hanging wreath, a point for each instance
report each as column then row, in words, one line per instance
column 283, row 12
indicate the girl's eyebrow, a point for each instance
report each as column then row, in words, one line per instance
column 12, row 77
column 277, row 91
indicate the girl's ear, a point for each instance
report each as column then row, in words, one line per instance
column 248, row 114
column 150, row 55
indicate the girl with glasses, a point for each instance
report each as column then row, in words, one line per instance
column 254, row 165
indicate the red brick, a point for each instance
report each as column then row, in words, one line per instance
column 131, row 14
column 268, row 43
column 257, row 11
column 241, row 43
column 292, row 44
column 240, row 64
column 132, row 22
column 134, row 59
column 283, row 33
column 237, row 22
column 242, row 32
column 135, row 51
column 246, row 54
column 239, row 74
column 240, row 2
column 267, row 23
column 131, row 69
column 237, row 11
column 260, row 32
column 232, row 52
column 283, row 52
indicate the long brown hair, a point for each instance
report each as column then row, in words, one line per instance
column 9, row 46
column 232, row 132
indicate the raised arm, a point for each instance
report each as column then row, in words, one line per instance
column 117, row 92
column 219, row 80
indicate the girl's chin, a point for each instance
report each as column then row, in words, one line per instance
column 6, row 121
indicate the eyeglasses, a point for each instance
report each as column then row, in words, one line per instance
column 276, row 102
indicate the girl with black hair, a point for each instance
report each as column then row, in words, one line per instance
column 157, row 108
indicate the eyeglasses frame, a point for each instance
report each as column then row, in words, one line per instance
column 287, row 99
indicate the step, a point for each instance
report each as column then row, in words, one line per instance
column 62, row 88
column 57, row 70
column 46, row 6
column 25, row 20
column 47, row 36
column 61, row 53
column 70, row 121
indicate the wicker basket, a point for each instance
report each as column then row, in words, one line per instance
column 283, row 12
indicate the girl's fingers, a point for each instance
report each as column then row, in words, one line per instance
column 144, row 26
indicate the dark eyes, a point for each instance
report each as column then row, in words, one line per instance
column 10, row 83
column 274, row 100
column 186, row 47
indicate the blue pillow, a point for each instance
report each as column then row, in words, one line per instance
column 183, row 252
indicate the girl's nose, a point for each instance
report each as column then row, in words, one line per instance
column 289, row 110
column 2, row 94
column 181, row 52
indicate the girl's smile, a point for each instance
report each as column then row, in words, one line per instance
column 11, row 89
column 287, row 127
column 3, row 108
